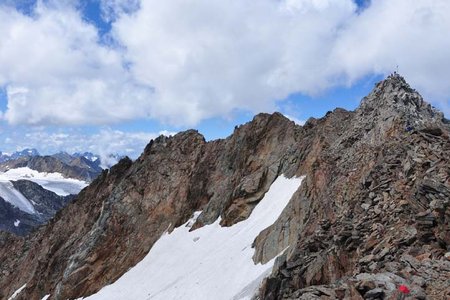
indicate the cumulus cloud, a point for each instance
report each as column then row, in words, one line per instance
column 209, row 57
column 181, row 61
column 56, row 72
column 409, row 34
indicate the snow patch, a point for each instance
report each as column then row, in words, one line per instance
column 46, row 297
column 13, row 196
column 16, row 223
column 16, row 293
column 212, row 262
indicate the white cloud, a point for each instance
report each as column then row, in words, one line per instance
column 209, row 57
column 184, row 61
column 410, row 34
column 56, row 72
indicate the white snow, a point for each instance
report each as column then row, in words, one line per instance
column 16, row 293
column 91, row 158
column 54, row 182
column 16, row 223
column 13, row 196
column 212, row 262
column 45, row 297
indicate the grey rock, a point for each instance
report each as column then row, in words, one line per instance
column 374, row 294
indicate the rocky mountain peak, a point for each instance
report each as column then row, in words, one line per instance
column 394, row 98
column 391, row 108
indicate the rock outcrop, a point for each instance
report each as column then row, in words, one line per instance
column 372, row 213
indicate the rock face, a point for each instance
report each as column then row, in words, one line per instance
column 15, row 220
column 372, row 213
column 46, row 203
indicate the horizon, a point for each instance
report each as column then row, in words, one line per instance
column 106, row 81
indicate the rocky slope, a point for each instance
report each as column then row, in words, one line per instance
column 373, row 211
column 134, row 203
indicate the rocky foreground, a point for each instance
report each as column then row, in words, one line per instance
column 371, row 219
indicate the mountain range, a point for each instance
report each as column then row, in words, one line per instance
column 33, row 188
column 23, row 153
column 354, row 205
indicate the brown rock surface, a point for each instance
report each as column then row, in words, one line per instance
column 376, row 200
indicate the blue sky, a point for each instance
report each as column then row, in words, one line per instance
column 106, row 76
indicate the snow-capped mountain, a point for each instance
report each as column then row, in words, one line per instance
column 18, row 154
column 29, row 198
column 67, row 165
column 88, row 155
column 33, row 187
column 354, row 205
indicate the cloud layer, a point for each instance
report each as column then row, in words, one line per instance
column 182, row 61
column 103, row 142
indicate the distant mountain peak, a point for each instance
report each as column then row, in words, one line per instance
column 27, row 152
column 393, row 98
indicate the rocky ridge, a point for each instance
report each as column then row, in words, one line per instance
column 132, row 204
column 372, row 213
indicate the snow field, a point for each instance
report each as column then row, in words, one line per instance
column 212, row 262
column 54, row 182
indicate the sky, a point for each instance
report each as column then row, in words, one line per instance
column 107, row 76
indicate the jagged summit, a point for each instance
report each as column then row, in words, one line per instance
column 393, row 97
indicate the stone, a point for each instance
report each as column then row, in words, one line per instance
column 365, row 206
column 376, row 293
column 367, row 259
column 447, row 256
column 365, row 285
column 383, row 252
